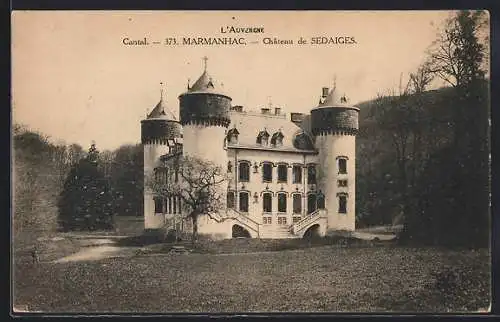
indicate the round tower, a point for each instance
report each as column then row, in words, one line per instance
column 334, row 124
column 204, row 115
column 157, row 129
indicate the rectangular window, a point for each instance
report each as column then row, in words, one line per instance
column 342, row 165
column 311, row 174
column 230, row 200
column 267, row 172
column 244, row 171
column 158, row 206
column 281, row 220
column 244, row 201
column 282, row 173
column 296, row 219
column 297, row 174
column 266, row 220
column 170, row 205
column 267, row 202
column 343, row 204
column 342, row 183
column 281, row 202
column 174, row 200
column 297, row 203
column 179, row 205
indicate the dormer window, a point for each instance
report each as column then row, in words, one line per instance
column 232, row 136
column 277, row 139
column 263, row 138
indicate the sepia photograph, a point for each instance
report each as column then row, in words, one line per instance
column 250, row 162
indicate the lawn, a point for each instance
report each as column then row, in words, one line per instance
column 324, row 278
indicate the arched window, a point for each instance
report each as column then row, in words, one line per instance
column 297, row 203
column 244, row 201
column 267, row 202
column 281, row 202
column 244, row 171
column 282, row 173
column 267, row 172
column 342, row 203
column 230, row 199
column 311, row 203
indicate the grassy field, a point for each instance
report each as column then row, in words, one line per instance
column 324, row 278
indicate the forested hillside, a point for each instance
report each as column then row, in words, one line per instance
column 40, row 168
column 423, row 156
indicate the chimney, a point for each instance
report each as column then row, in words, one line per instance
column 324, row 92
column 297, row 117
column 277, row 110
column 237, row 108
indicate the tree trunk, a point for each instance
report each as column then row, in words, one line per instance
column 195, row 228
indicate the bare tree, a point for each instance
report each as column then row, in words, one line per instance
column 199, row 184
column 458, row 55
column 421, row 78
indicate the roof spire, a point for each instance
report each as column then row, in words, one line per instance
column 161, row 91
column 205, row 59
column 269, row 102
column 334, row 81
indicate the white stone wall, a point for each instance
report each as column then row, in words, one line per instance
column 330, row 147
column 152, row 153
column 256, row 184
column 207, row 142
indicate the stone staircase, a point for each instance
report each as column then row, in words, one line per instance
column 275, row 232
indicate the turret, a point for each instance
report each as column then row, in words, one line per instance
column 204, row 115
column 334, row 122
column 158, row 129
column 160, row 124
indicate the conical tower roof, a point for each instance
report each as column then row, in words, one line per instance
column 334, row 99
column 206, row 84
column 161, row 111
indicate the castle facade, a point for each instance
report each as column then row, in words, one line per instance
column 291, row 175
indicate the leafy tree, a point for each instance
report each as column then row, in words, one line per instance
column 199, row 184
column 86, row 202
column 126, row 173
column 458, row 55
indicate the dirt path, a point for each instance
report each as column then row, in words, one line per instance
column 98, row 249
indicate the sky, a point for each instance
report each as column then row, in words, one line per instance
column 74, row 79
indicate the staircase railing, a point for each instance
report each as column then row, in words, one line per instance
column 310, row 218
column 236, row 215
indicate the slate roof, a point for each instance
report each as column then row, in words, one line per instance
column 206, row 84
column 333, row 99
column 161, row 111
column 250, row 124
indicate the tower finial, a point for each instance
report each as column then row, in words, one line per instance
column 269, row 102
column 161, row 91
column 334, row 81
column 205, row 59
